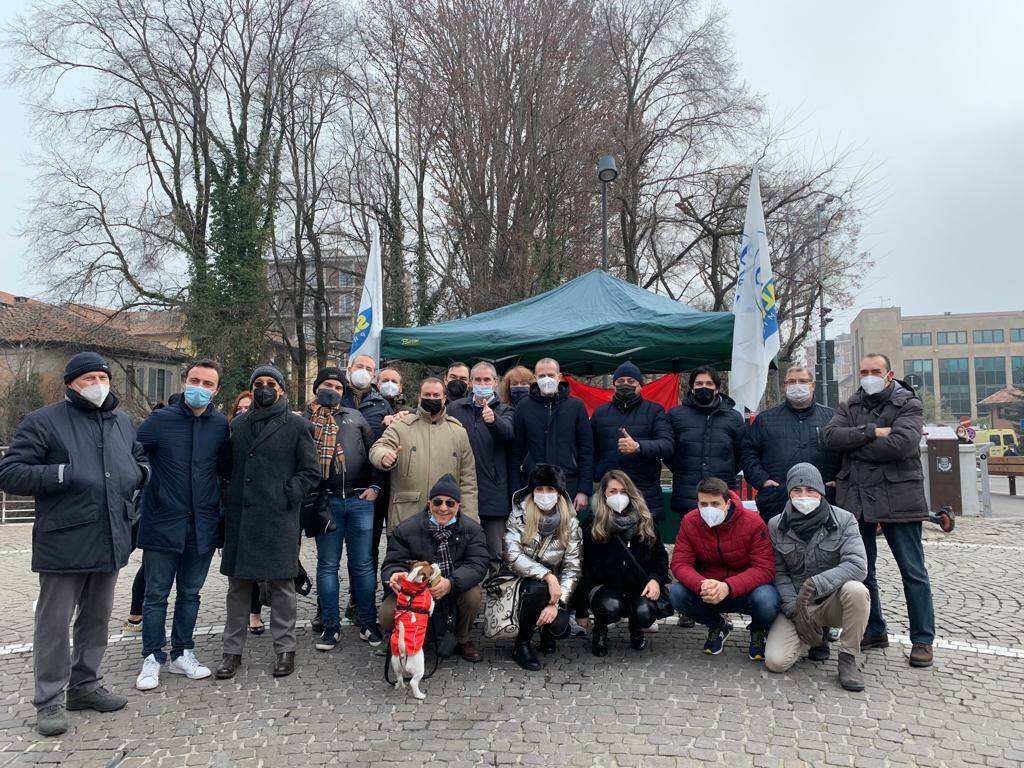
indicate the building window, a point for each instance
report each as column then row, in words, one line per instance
column 919, row 375
column 951, row 337
column 1017, row 366
column 955, row 385
column 989, row 336
column 1017, row 334
column 989, row 375
column 917, row 339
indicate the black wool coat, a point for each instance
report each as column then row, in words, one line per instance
column 273, row 465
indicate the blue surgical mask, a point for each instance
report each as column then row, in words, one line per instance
column 481, row 392
column 197, row 397
column 450, row 522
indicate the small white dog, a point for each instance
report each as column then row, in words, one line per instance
column 414, row 607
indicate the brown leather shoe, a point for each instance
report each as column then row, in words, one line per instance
column 285, row 664
column 229, row 664
column 469, row 652
column 870, row 641
column 921, row 655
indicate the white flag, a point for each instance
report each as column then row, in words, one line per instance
column 755, row 340
column 370, row 318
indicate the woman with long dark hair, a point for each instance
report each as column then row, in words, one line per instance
column 625, row 566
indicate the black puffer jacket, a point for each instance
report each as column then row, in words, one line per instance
column 606, row 563
column 554, row 430
column 779, row 438
column 707, row 444
column 414, row 540
column 354, row 441
column 371, row 404
column 83, row 466
column 490, row 444
column 881, row 479
column 648, row 424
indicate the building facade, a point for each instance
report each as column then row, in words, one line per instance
column 957, row 359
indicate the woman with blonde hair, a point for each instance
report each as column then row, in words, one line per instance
column 542, row 547
column 515, row 384
column 625, row 566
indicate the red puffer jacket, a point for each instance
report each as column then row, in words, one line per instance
column 738, row 552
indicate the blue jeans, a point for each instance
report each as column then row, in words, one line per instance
column 907, row 549
column 188, row 571
column 354, row 518
column 761, row 605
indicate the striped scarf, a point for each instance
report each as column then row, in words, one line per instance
column 444, row 555
column 325, row 433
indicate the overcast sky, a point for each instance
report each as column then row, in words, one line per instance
column 931, row 92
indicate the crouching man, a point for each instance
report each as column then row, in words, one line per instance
column 820, row 565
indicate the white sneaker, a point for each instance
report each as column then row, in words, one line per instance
column 187, row 664
column 575, row 630
column 652, row 628
column 149, row 677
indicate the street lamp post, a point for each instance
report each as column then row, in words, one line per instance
column 607, row 173
column 823, row 348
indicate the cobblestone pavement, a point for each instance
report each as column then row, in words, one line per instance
column 669, row 705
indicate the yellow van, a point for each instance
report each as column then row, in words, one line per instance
column 1000, row 439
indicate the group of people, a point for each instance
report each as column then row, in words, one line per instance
column 487, row 477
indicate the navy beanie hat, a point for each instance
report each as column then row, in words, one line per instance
column 446, row 486
column 82, row 363
column 629, row 368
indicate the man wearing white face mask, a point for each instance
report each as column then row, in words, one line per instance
column 881, row 481
column 80, row 460
column 819, row 567
column 552, row 427
column 784, row 436
column 360, row 392
column 724, row 563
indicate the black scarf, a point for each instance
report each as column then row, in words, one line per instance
column 803, row 525
column 444, row 555
column 258, row 417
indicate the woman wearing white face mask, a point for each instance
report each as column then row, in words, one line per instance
column 542, row 546
column 625, row 566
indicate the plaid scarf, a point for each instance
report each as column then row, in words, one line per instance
column 444, row 555
column 325, row 433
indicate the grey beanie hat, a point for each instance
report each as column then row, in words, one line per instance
column 267, row 370
column 807, row 475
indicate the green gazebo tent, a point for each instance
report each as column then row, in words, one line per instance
column 590, row 325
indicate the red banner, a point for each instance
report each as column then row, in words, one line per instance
column 664, row 391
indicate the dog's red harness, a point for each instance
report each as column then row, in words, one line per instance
column 413, row 612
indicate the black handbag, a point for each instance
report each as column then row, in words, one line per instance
column 315, row 514
column 662, row 607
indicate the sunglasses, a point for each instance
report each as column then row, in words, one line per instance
column 450, row 503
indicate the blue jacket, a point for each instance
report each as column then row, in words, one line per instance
column 83, row 466
column 490, row 443
column 648, row 424
column 183, row 451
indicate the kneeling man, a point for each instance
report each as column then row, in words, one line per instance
column 820, row 565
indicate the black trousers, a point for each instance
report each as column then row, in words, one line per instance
column 533, row 598
column 138, row 592
column 609, row 605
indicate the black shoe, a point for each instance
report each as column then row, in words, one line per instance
column 547, row 644
column 328, row 641
column 686, row 622
column 285, row 664
column 637, row 641
column 352, row 611
column 524, row 656
column 819, row 652
column 715, row 642
column 317, row 624
column 371, row 634
column 100, row 700
column 229, row 664
column 599, row 642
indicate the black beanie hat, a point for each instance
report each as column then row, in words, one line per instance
column 82, row 363
column 267, row 370
column 628, row 368
column 446, row 486
column 330, row 372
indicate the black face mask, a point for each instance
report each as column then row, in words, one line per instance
column 626, row 393
column 264, row 397
column 704, row 396
column 329, row 397
column 518, row 393
column 456, row 389
column 433, row 406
